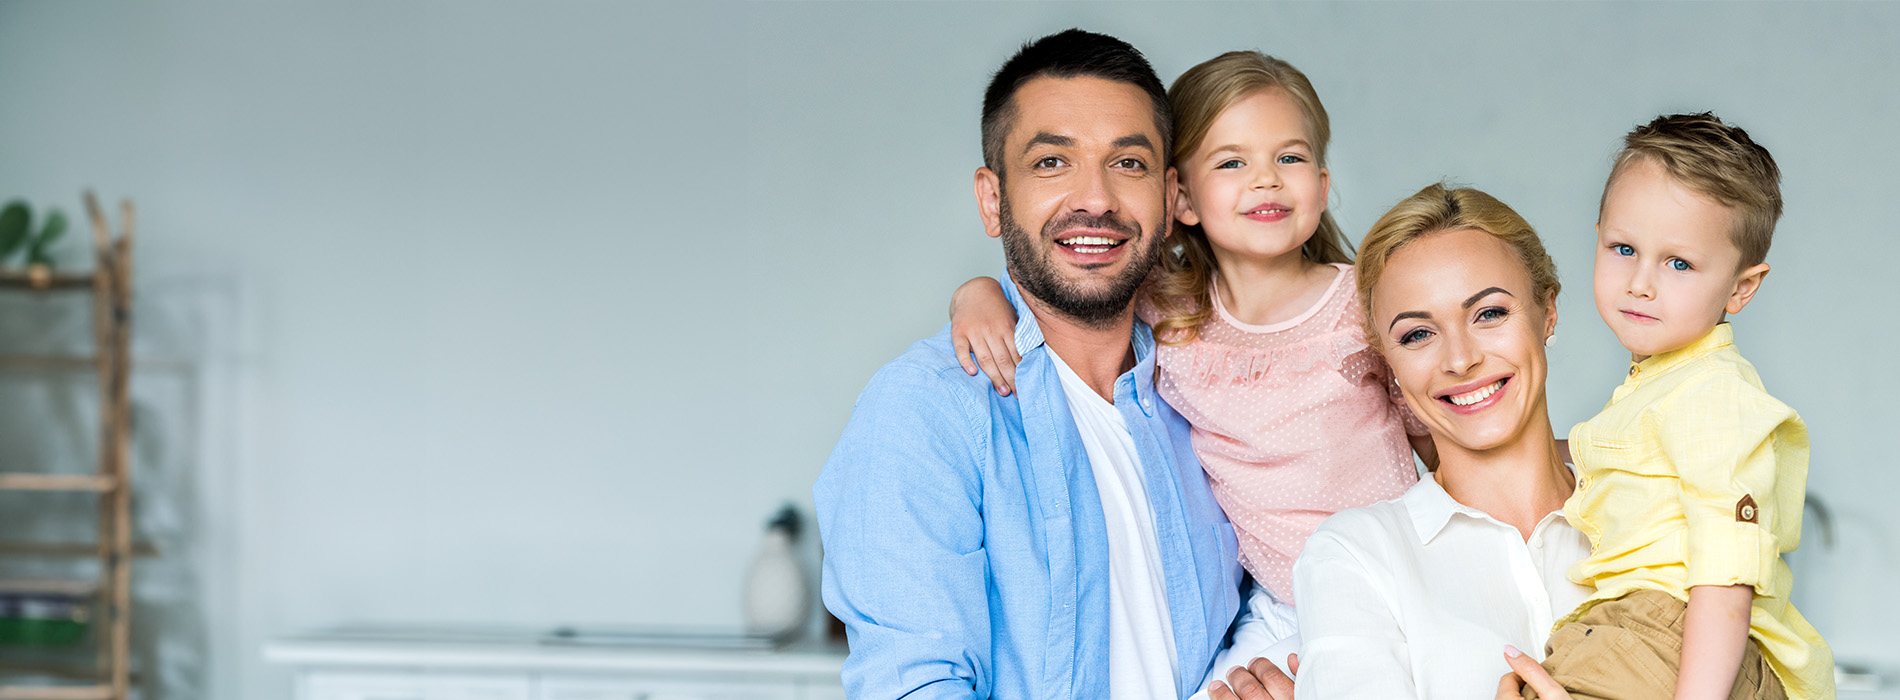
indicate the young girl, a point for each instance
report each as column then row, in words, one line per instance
column 1294, row 417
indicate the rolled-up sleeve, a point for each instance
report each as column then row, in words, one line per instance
column 899, row 507
column 1351, row 643
column 1722, row 434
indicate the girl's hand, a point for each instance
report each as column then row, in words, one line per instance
column 1526, row 671
column 983, row 323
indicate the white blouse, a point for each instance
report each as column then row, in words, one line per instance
column 1416, row 597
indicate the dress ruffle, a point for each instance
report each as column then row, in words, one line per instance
column 1342, row 350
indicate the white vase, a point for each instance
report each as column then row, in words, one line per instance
column 777, row 593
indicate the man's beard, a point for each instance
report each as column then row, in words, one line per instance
column 1031, row 267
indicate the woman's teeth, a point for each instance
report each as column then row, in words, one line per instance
column 1090, row 244
column 1475, row 395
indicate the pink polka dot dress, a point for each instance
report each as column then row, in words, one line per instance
column 1293, row 422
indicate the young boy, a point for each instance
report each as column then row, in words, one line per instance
column 1690, row 482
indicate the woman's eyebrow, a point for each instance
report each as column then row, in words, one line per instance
column 1488, row 291
column 1409, row 314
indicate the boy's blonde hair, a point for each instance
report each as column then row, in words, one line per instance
column 1441, row 209
column 1718, row 161
column 1181, row 281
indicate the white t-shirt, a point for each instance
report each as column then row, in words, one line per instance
column 1141, row 657
column 1416, row 597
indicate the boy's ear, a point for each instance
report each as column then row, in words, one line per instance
column 989, row 201
column 1183, row 208
column 1746, row 284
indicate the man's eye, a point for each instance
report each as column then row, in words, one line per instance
column 1049, row 162
column 1417, row 335
column 1229, row 164
column 1623, row 250
column 1130, row 163
column 1679, row 265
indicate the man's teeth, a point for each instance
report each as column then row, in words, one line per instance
column 1090, row 244
column 1476, row 395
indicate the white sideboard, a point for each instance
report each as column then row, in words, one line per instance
column 347, row 668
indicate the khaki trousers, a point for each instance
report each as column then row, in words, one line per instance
column 1631, row 649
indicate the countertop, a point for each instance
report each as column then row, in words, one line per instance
column 513, row 651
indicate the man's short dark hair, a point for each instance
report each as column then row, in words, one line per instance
column 1069, row 54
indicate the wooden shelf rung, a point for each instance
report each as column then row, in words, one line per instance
column 55, row 692
column 20, row 481
column 68, row 549
column 17, row 279
column 76, row 587
column 50, row 361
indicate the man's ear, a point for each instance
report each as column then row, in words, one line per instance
column 1746, row 284
column 1178, row 201
column 989, row 201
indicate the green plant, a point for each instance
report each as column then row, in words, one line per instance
column 16, row 232
column 36, row 254
column 15, row 221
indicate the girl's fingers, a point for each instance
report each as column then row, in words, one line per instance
column 1293, row 663
column 962, row 346
column 1006, row 361
column 986, row 358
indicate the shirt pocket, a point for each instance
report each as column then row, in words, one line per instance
column 1625, row 456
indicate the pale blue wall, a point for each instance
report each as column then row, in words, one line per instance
column 535, row 310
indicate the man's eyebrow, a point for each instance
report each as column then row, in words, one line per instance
column 1044, row 138
column 1135, row 140
column 1487, row 292
column 1408, row 314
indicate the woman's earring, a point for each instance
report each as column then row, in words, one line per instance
column 1550, row 341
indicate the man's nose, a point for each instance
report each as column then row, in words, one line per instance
column 1093, row 193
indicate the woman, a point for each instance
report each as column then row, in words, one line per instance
column 1418, row 597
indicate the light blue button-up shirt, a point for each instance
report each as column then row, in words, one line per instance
column 965, row 546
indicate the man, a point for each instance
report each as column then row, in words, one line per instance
column 1060, row 542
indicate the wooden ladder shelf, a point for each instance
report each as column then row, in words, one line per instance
column 110, row 284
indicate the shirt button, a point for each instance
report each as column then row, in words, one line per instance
column 1748, row 513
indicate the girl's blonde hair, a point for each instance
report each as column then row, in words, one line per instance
column 1181, row 281
column 1439, row 209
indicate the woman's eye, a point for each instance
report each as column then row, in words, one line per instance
column 1229, row 164
column 1492, row 313
column 1415, row 336
column 1623, row 250
column 1679, row 265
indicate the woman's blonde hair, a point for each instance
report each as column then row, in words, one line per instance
column 1181, row 281
column 1440, row 209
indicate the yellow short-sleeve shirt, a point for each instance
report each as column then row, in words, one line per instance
column 1694, row 476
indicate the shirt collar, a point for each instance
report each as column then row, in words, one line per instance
column 1029, row 332
column 1723, row 335
column 1431, row 508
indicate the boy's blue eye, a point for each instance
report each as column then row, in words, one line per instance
column 1623, row 250
column 1678, row 264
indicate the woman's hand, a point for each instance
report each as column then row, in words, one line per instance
column 1526, row 671
column 1259, row 680
column 982, row 323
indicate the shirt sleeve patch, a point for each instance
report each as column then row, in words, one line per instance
column 1746, row 510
